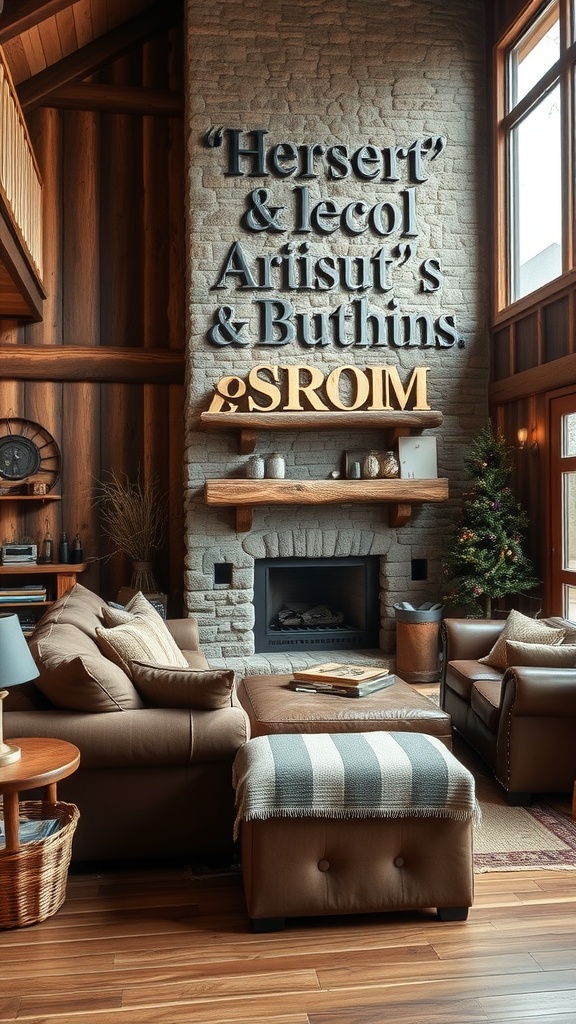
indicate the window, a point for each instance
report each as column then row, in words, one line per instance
column 534, row 151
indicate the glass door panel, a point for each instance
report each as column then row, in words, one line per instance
column 569, row 521
column 570, row 603
column 569, row 435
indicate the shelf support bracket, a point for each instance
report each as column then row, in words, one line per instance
column 398, row 514
column 247, row 441
column 244, row 517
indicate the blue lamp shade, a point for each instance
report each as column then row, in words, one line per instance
column 17, row 666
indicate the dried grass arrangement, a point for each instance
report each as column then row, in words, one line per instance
column 134, row 515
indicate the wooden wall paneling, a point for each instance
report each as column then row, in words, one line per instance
column 81, row 326
column 501, row 361
column 526, row 347
column 177, row 323
column 44, row 400
column 122, row 223
column 122, row 453
column 156, row 279
column 556, row 321
column 121, row 442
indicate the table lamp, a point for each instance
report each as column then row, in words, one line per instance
column 16, row 666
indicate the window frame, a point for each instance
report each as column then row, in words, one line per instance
column 562, row 72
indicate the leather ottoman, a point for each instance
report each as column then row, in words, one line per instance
column 349, row 824
column 274, row 708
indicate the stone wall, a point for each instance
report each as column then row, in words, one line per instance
column 364, row 77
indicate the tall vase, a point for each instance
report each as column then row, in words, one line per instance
column 143, row 578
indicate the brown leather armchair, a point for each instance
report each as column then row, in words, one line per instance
column 522, row 722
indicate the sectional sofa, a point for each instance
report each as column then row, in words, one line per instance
column 156, row 728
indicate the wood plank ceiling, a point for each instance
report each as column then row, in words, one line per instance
column 52, row 48
column 53, row 51
column 36, row 36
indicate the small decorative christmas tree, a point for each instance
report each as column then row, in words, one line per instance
column 485, row 558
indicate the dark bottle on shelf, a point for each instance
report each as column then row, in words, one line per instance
column 47, row 546
column 77, row 553
column 63, row 554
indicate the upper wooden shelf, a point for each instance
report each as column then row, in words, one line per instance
column 399, row 494
column 31, row 497
column 248, row 423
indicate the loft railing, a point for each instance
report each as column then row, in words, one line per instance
column 20, row 182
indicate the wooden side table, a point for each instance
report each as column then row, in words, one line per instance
column 44, row 762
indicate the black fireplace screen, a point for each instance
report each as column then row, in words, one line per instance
column 316, row 603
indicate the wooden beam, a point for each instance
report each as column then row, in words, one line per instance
column 19, row 16
column 36, row 91
column 116, row 99
column 237, row 491
column 91, row 363
column 558, row 373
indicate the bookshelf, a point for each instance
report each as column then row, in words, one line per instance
column 49, row 582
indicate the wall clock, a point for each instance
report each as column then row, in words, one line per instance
column 28, row 454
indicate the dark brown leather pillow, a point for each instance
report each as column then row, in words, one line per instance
column 166, row 686
column 541, row 655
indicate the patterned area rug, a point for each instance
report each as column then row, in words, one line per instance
column 542, row 835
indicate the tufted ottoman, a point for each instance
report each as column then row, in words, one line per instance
column 351, row 823
column 273, row 707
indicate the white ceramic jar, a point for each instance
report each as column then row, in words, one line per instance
column 255, row 468
column 276, row 466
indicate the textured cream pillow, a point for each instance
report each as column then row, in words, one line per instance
column 205, row 690
column 527, row 630
column 137, row 605
column 541, row 655
column 143, row 636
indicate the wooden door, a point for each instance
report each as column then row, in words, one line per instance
column 563, row 505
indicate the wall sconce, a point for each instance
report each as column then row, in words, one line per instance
column 522, row 437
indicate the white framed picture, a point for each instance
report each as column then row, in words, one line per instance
column 418, row 458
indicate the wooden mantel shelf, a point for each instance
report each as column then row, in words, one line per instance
column 248, row 423
column 399, row 494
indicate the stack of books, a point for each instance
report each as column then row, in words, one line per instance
column 31, row 593
column 341, row 680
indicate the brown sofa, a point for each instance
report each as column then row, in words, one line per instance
column 519, row 716
column 155, row 777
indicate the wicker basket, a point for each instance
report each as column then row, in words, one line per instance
column 33, row 878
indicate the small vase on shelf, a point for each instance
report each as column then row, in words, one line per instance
column 275, row 466
column 371, row 466
column 389, row 466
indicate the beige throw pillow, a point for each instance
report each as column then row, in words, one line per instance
column 142, row 636
column 520, row 627
column 541, row 655
column 208, row 690
column 137, row 605
column 74, row 674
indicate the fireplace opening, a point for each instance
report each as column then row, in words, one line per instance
column 316, row 603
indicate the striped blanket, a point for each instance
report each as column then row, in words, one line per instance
column 350, row 775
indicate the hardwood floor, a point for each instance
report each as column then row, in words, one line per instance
column 162, row 947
